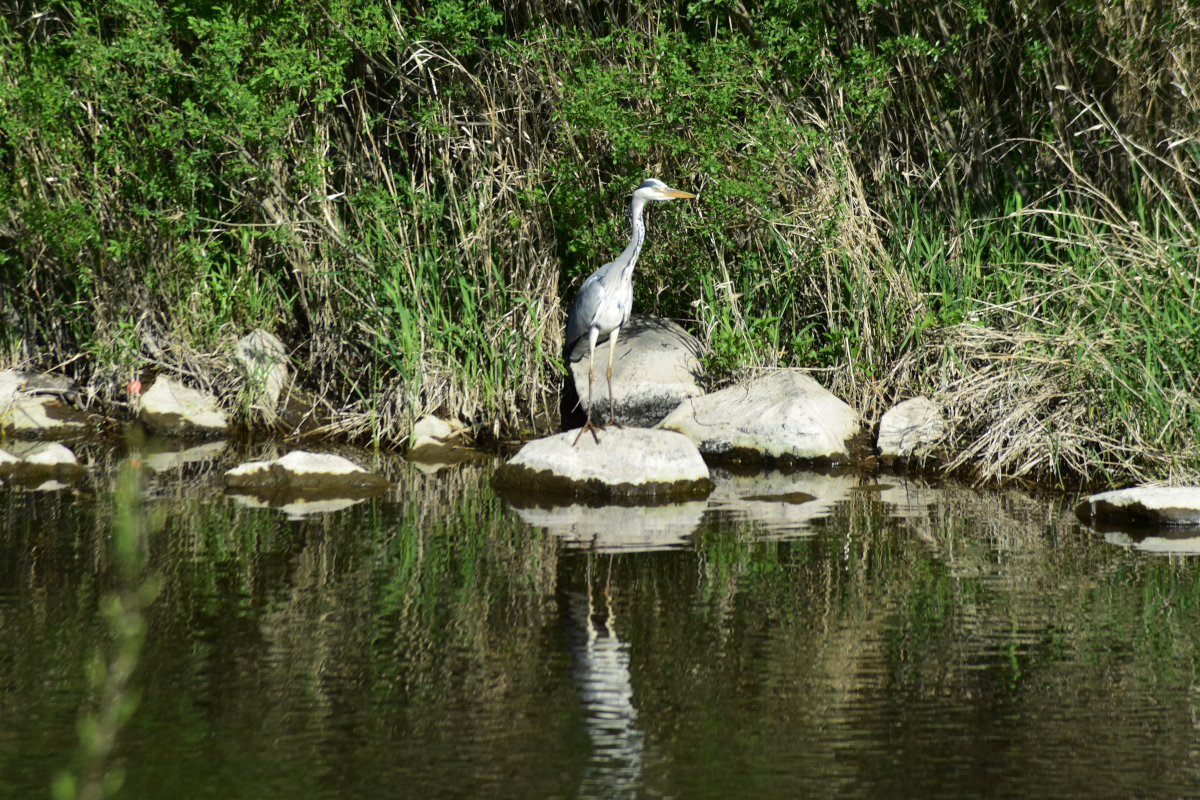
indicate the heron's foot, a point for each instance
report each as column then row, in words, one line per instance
column 588, row 426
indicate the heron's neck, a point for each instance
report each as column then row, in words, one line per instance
column 629, row 255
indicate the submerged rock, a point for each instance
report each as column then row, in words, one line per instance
column 782, row 416
column 656, row 367
column 300, row 472
column 909, row 425
column 33, row 403
column 627, row 463
column 263, row 357
column 173, row 409
column 1142, row 507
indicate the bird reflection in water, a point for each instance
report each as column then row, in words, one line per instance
column 602, row 673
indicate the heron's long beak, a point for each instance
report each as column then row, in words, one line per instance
column 675, row 194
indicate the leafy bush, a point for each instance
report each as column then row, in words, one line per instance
column 410, row 195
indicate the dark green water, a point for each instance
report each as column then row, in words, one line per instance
column 898, row 642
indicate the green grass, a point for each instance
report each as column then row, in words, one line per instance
column 409, row 196
column 1085, row 325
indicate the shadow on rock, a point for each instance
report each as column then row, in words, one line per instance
column 656, row 366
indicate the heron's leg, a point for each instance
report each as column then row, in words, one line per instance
column 612, row 409
column 593, row 335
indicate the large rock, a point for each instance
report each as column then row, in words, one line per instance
column 263, row 357
column 627, row 463
column 784, row 416
column 175, row 410
column 907, row 426
column 1142, row 507
column 42, row 404
column 321, row 475
column 655, row 368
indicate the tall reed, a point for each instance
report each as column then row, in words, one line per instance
column 410, row 194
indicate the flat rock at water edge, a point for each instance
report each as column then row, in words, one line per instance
column 41, row 462
column 40, row 404
column 173, row 409
column 626, row 463
column 311, row 474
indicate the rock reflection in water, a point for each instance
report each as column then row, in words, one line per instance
column 768, row 498
column 1185, row 542
column 163, row 456
column 298, row 508
column 606, row 529
column 783, row 504
column 606, row 688
column 906, row 499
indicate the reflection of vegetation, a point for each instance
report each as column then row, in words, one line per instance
column 418, row 639
column 123, row 606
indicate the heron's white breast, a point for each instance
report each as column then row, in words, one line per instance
column 612, row 313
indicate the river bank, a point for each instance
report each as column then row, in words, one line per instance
column 995, row 211
column 783, row 420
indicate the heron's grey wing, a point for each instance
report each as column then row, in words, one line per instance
column 583, row 310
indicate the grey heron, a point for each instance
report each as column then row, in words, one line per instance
column 606, row 298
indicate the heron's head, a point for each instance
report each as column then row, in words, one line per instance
column 654, row 189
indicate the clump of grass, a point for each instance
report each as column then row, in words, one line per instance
column 1062, row 338
column 1057, row 329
